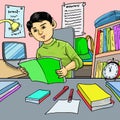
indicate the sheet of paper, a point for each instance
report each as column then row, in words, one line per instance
column 63, row 106
column 15, row 13
column 73, row 16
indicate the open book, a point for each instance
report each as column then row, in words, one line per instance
column 43, row 69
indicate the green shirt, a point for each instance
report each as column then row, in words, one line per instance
column 62, row 50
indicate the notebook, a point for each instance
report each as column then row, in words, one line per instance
column 9, row 92
column 38, row 96
column 115, row 85
column 115, row 88
column 6, row 85
column 43, row 69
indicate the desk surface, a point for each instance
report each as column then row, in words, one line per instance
column 7, row 71
column 14, row 107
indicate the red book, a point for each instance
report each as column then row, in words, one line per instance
column 97, row 49
column 96, row 107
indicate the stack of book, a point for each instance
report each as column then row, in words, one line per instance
column 38, row 96
column 7, row 88
column 114, row 86
column 94, row 96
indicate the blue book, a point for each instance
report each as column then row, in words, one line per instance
column 115, row 86
column 6, row 85
column 105, row 40
column 38, row 96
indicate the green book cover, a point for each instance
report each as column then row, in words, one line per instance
column 43, row 69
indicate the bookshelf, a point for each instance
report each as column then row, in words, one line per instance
column 107, row 55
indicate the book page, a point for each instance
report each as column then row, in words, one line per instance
column 34, row 70
column 73, row 16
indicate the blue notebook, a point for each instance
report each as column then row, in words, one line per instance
column 6, row 85
column 115, row 86
column 38, row 96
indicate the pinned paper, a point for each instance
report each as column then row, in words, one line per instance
column 15, row 13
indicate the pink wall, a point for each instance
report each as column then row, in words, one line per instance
column 93, row 9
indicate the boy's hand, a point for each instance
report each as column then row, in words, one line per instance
column 62, row 72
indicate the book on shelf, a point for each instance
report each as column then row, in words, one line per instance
column 7, row 88
column 101, row 42
column 103, row 66
column 116, row 29
column 99, row 68
column 114, row 86
column 93, row 108
column 98, row 42
column 38, row 96
column 43, row 69
column 104, row 40
column 90, row 93
column 112, row 40
column 108, row 38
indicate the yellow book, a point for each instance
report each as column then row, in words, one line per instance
column 103, row 66
column 99, row 69
column 112, row 44
column 87, row 63
column 101, row 42
column 94, row 94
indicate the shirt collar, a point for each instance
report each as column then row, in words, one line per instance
column 50, row 44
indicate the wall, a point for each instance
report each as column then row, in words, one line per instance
column 93, row 10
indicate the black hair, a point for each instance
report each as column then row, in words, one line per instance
column 38, row 17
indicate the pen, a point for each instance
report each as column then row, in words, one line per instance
column 70, row 95
column 65, row 88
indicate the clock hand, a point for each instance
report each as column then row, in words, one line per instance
column 109, row 69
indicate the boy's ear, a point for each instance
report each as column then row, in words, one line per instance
column 54, row 24
column 30, row 34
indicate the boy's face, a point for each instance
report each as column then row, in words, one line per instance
column 42, row 31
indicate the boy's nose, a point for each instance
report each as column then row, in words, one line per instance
column 40, row 32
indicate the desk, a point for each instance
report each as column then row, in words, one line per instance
column 15, row 108
column 7, row 71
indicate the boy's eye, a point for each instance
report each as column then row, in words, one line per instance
column 35, row 30
column 43, row 27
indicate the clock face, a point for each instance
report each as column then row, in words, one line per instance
column 110, row 71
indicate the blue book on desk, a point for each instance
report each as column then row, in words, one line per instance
column 6, row 85
column 114, row 86
column 38, row 96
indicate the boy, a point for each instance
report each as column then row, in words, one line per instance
column 41, row 26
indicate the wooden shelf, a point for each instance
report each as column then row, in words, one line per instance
column 104, row 57
column 109, row 24
column 107, row 54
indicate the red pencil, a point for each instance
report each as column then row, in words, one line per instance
column 65, row 88
column 70, row 95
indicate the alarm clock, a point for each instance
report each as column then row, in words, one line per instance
column 111, row 70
